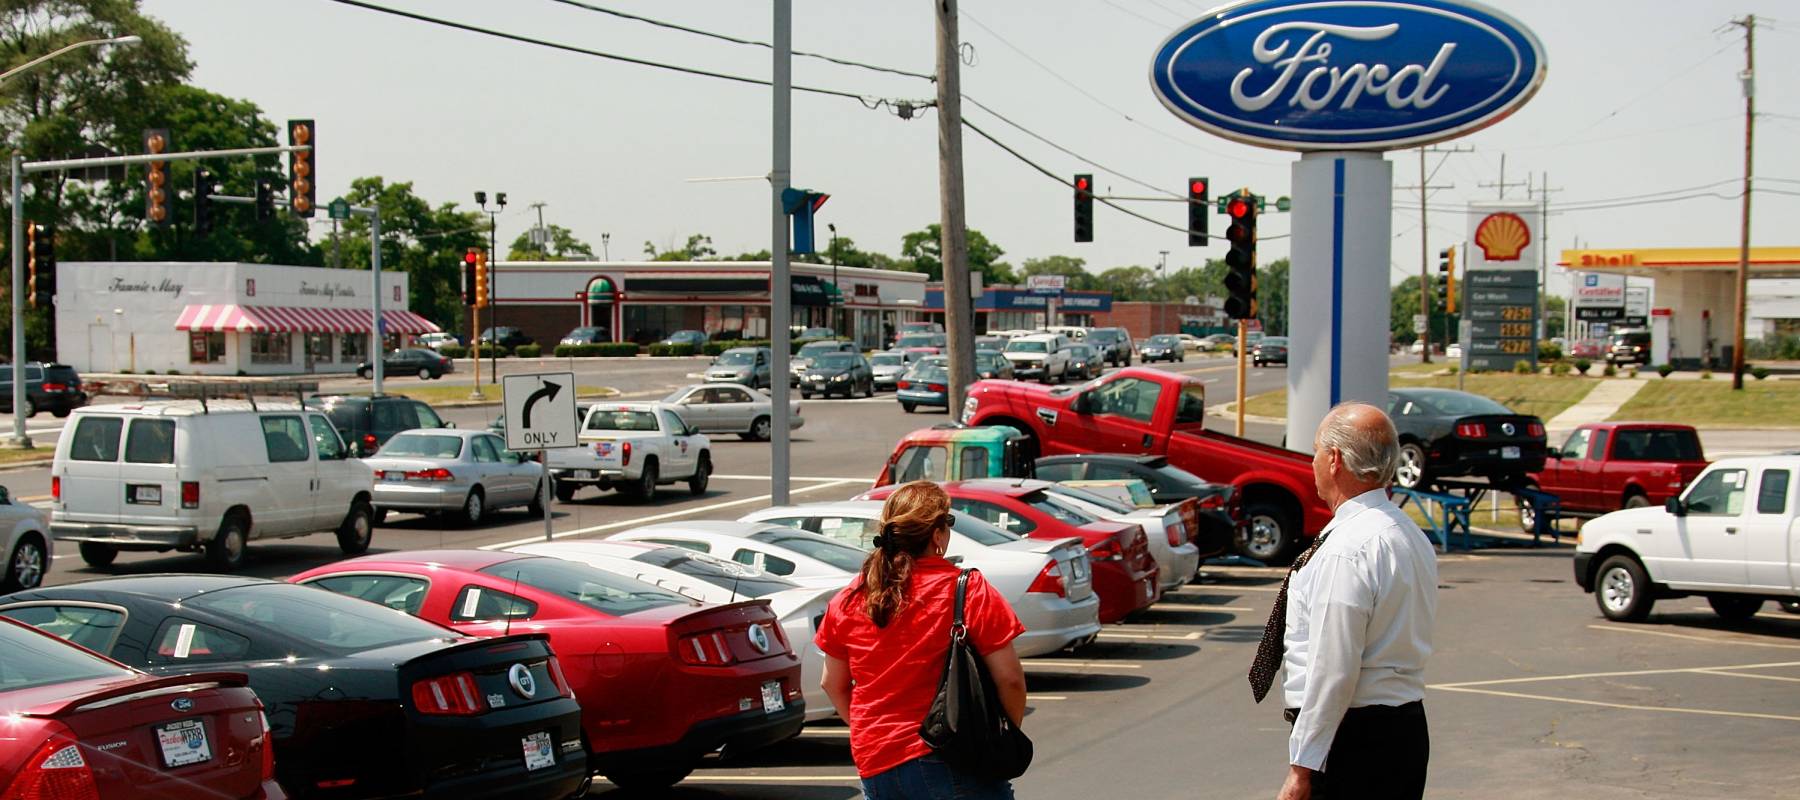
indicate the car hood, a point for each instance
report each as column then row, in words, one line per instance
column 1629, row 519
column 829, row 372
column 1020, row 356
column 890, row 369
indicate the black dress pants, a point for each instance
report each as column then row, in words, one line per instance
column 1379, row 753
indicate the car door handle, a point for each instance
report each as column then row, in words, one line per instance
column 1731, row 530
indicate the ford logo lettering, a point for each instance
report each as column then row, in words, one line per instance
column 520, row 677
column 182, row 704
column 759, row 637
column 1347, row 74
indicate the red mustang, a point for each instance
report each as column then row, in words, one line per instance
column 80, row 726
column 1125, row 573
column 662, row 681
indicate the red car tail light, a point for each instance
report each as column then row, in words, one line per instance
column 368, row 442
column 1471, row 430
column 1108, row 550
column 56, row 488
column 904, row 384
column 1535, row 428
column 55, row 772
column 190, row 494
column 1177, row 533
column 453, row 695
column 625, row 454
column 56, row 387
column 438, row 474
column 707, row 649
column 556, row 677
column 934, row 387
column 1049, row 581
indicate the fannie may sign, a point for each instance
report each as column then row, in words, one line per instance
column 1347, row 74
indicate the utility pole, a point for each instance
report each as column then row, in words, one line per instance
column 1503, row 185
column 1425, row 186
column 1162, row 271
column 1543, row 194
column 781, row 295
column 1748, row 23
column 958, row 316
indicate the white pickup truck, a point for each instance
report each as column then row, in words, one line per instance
column 632, row 447
column 1731, row 537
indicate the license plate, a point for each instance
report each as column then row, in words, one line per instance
column 540, row 752
column 584, row 474
column 772, row 702
column 144, row 495
column 393, row 477
column 183, row 743
column 1509, row 452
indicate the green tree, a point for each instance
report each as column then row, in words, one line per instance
column 1272, row 297
column 699, row 247
column 426, row 242
column 922, row 251
column 1405, row 303
column 1129, row 283
column 563, row 246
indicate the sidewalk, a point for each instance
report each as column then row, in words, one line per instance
column 1598, row 406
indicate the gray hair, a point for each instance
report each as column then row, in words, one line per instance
column 1370, row 455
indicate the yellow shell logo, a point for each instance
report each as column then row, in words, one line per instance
column 1502, row 237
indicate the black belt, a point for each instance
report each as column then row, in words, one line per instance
column 1412, row 709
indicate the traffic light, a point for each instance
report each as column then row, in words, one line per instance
column 302, row 177
column 1084, row 208
column 1240, row 261
column 156, row 180
column 40, row 261
column 203, row 192
column 1197, row 212
column 265, row 200
column 469, row 282
column 1447, row 266
column 483, row 279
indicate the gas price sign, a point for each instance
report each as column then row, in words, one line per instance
column 1501, row 307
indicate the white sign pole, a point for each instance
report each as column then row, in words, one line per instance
column 540, row 415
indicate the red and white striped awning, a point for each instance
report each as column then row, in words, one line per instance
column 296, row 319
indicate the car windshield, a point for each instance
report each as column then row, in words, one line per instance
column 837, row 554
column 621, row 419
column 330, row 621
column 422, row 445
column 1026, row 346
column 1656, row 445
column 835, row 361
column 1112, row 506
column 1457, row 404
column 980, row 532
column 594, row 588
column 1103, row 336
column 887, row 360
column 1630, row 339
column 916, row 340
column 1165, row 341
column 30, row 659
column 737, row 358
column 817, row 348
column 583, row 333
column 930, row 373
column 742, row 580
column 1043, row 502
column 1278, row 341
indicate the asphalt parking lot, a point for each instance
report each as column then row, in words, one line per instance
column 1533, row 694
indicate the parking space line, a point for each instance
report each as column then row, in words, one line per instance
column 1693, row 638
column 1079, row 664
column 761, row 498
column 718, row 477
column 826, row 733
column 1186, row 637
column 1620, row 674
column 1039, row 698
column 1749, row 675
column 770, row 778
column 1623, row 706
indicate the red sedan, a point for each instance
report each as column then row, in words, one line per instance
column 662, row 681
column 79, row 726
column 1125, row 573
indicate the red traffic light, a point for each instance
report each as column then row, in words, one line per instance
column 470, row 257
column 1238, row 208
column 1081, row 183
column 1198, row 187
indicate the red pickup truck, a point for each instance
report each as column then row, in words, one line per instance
column 1149, row 412
column 1612, row 465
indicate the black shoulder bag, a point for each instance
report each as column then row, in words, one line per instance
column 967, row 726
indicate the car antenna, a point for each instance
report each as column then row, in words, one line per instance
column 507, row 629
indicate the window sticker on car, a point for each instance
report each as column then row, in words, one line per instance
column 184, row 641
column 470, row 602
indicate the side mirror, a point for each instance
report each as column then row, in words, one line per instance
column 5, row 497
column 449, row 424
column 1675, row 507
column 1553, row 453
column 1083, row 404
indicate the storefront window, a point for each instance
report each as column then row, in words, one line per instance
column 318, row 348
column 353, row 347
column 206, row 347
column 271, row 348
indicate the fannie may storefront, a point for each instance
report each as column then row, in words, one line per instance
column 223, row 318
column 644, row 302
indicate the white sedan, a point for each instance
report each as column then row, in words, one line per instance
column 22, row 529
column 798, row 605
column 1049, row 583
column 777, row 549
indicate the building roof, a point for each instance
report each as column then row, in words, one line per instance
column 1765, row 262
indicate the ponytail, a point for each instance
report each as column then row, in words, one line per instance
column 912, row 516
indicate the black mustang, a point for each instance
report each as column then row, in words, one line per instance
column 1445, row 433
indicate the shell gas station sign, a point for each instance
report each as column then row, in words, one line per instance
column 1504, row 236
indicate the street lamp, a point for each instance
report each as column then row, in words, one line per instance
column 837, row 316
column 493, row 282
column 76, row 46
column 606, row 246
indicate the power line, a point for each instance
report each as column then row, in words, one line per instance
column 1065, row 150
column 1653, row 90
column 736, row 40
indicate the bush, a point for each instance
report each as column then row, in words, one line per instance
column 1522, row 367
column 672, row 350
column 1561, row 368
column 1760, row 373
column 1781, row 346
column 602, row 350
column 178, row 372
column 1549, row 351
column 1706, row 375
column 1452, row 369
column 1582, row 365
column 1610, row 371
column 529, row 350
column 1665, row 369
column 491, row 351
column 453, row 351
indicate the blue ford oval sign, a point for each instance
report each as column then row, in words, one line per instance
column 1347, row 74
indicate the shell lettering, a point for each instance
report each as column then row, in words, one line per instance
column 1502, row 237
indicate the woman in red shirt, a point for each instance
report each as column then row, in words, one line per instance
column 888, row 634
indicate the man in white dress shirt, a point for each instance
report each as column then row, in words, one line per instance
column 1352, row 627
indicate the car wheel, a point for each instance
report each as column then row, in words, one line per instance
column 1270, row 533
column 474, row 507
column 1734, row 607
column 806, row 395
column 1527, row 512
column 98, row 555
column 565, row 491
column 63, row 414
column 1636, row 500
column 424, row 374
column 702, row 475
column 645, row 488
column 536, row 507
column 1412, row 472
column 357, row 530
column 226, row 550
column 761, row 430
column 25, row 570
column 1622, row 590
column 647, row 780
column 907, row 407
column 364, row 373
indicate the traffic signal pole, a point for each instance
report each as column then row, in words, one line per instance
column 1243, row 373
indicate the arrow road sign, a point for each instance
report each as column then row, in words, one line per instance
column 540, row 410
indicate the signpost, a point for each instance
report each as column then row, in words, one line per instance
column 540, row 415
column 1047, row 285
column 1500, row 310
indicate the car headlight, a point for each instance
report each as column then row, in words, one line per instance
column 969, row 407
column 838, row 378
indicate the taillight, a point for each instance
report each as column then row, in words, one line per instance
column 56, row 488
column 934, row 387
column 1107, row 550
column 55, row 772
column 1471, row 430
column 904, row 384
column 1177, row 533
column 1212, row 501
column 706, row 649
column 368, row 442
column 190, row 494
column 437, row 474
column 625, row 454
column 1049, row 581
column 56, row 387
column 449, row 695
column 1535, row 428
column 556, row 677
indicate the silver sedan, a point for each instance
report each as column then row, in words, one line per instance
column 730, row 408
column 466, row 473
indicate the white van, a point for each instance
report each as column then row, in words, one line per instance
column 204, row 476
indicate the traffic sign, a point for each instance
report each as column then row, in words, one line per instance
column 1418, row 323
column 540, row 410
column 339, row 209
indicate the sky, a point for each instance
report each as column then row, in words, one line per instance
column 1642, row 100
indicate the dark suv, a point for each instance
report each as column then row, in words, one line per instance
column 506, row 336
column 367, row 422
column 48, row 387
column 1111, row 345
column 1629, row 347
